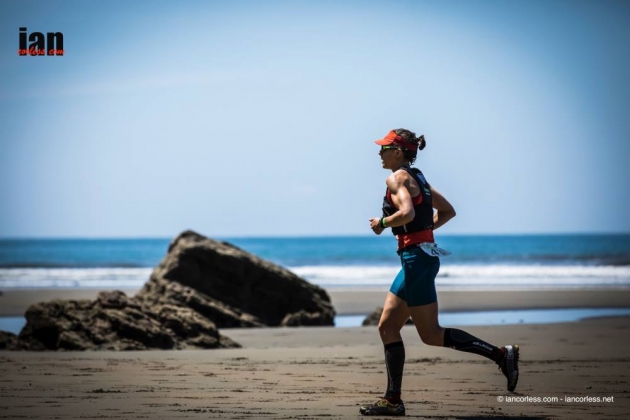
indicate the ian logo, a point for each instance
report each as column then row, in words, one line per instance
column 51, row 44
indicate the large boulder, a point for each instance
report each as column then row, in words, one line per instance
column 199, row 286
column 244, row 290
column 157, row 292
column 116, row 322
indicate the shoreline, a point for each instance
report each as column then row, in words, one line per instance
column 355, row 301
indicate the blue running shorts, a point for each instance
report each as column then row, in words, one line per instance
column 415, row 283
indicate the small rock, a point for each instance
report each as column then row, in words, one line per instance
column 375, row 317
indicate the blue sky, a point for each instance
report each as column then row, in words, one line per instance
column 258, row 118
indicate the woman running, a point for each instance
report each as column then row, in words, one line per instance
column 408, row 210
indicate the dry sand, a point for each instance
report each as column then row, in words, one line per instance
column 315, row 373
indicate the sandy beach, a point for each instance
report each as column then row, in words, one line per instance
column 577, row 370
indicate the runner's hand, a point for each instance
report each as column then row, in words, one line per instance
column 375, row 225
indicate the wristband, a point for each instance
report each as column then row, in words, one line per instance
column 382, row 223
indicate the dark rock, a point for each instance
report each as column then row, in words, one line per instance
column 116, row 322
column 303, row 318
column 114, row 300
column 162, row 292
column 10, row 341
column 244, row 290
column 375, row 317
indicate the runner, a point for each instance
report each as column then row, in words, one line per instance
column 408, row 210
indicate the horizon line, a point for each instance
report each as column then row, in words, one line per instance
column 306, row 236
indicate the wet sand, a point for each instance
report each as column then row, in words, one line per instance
column 361, row 301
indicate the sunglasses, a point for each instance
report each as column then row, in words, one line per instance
column 383, row 148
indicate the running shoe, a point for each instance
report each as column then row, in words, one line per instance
column 383, row 408
column 509, row 365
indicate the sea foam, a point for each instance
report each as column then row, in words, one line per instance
column 474, row 275
column 338, row 276
column 106, row 278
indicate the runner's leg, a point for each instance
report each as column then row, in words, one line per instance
column 395, row 314
column 425, row 318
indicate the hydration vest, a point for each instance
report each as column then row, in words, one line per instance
column 422, row 205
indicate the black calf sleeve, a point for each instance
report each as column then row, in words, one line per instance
column 394, row 361
column 462, row 341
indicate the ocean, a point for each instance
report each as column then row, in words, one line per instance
column 477, row 262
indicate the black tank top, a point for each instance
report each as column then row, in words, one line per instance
column 423, row 207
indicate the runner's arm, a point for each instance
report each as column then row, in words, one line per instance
column 401, row 199
column 445, row 210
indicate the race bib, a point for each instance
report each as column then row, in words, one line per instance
column 433, row 250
